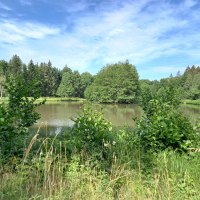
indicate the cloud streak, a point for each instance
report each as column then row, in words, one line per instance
column 4, row 7
column 15, row 32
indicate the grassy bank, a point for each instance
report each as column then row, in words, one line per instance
column 93, row 161
column 59, row 99
column 50, row 99
column 3, row 99
column 192, row 102
column 50, row 175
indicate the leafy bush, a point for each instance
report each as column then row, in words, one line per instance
column 164, row 127
column 92, row 133
column 16, row 117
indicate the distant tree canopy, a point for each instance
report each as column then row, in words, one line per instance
column 187, row 85
column 115, row 83
column 73, row 84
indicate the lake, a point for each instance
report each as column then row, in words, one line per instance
column 59, row 115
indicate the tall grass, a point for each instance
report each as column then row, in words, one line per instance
column 50, row 174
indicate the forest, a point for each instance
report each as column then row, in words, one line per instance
column 117, row 82
column 157, row 159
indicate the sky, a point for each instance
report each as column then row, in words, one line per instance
column 159, row 37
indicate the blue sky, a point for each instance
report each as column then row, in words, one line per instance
column 159, row 37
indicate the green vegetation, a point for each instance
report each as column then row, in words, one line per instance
column 165, row 127
column 73, row 84
column 192, row 102
column 58, row 99
column 48, row 99
column 158, row 159
column 187, row 85
column 115, row 83
column 16, row 116
column 51, row 175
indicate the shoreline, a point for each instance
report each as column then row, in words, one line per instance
column 191, row 102
column 77, row 99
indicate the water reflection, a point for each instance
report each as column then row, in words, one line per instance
column 192, row 112
column 60, row 114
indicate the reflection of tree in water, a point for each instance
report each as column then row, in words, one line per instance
column 59, row 114
column 120, row 114
column 192, row 112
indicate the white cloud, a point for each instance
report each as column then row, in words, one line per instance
column 140, row 31
column 16, row 32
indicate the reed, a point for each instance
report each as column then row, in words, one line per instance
column 50, row 174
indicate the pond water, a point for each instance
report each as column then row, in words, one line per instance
column 57, row 116
column 61, row 114
column 192, row 112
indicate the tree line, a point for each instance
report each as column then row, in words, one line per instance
column 117, row 82
column 49, row 81
column 187, row 85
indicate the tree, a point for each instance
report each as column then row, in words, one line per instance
column 70, row 85
column 2, row 82
column 195, row 89
column 32, row 78
column 86, row 80
column 16, row 116
column 3, row 68
column 191, row 83
column 15, row 66
column 66, row 88
column 50, row 79
column 115, row 83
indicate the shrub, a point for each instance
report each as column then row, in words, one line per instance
column 164, row 127
column 92, row 133
column 16, row 117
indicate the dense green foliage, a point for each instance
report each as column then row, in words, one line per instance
column 74, row 84
column 52, row 176
column 42, row 78
column 127, row 172
column 45, row 79
column 187, row 85
column 163, row 125
column 66, row 88
column 115, row 83
column 92, row 160
column 16, row 116
column 92, row 134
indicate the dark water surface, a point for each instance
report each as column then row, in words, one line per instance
column 59, row 115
